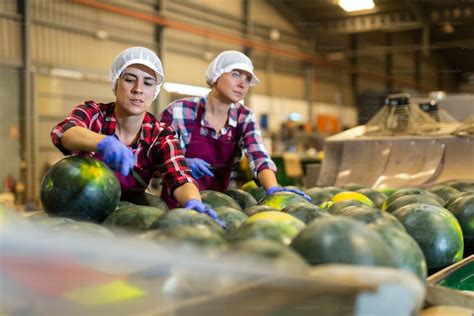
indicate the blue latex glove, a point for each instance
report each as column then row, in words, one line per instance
column 116, row 155
column 275, row 189
column 201, row 208
column 199, row 167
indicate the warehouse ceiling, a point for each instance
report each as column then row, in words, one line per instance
column 445, row 28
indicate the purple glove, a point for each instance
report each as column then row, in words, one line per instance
column 201, row 208
column 116, row 155
column 199, row 167
column 275, row 189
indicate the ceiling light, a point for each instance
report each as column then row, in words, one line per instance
column 356, row 5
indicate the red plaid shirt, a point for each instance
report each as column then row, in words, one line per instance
column 157, row 150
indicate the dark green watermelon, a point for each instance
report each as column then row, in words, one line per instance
column 282, row 232
column 336, row 207
column 462, row 185
column 232, row 218
column 179, row 217
column 463, row 210
column 445, row 191
column 146, row 199
column 280, row 200
column 410, row 199
column 436, row 231
column 337, row 239
column 200, row 235
column 80, row 188
column 318, row 196
column 375, row 196
column 405, row 191
column 304, row 211
column 407, row 253
column 243, row 198
column 364, row 214
column 252, row 210
column 332, row 190
column 271, row 254
column 133, row 217
column 452, row 202
column 215, row 199
column 352, row 186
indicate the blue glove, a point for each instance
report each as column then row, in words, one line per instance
column 199, row 167
column 116, row 155
column 275, row 189
column 201, row 208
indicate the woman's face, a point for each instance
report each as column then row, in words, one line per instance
column 135, row 89
column 234, row 85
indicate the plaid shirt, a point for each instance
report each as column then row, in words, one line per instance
column 181, row 115
column 157, row 149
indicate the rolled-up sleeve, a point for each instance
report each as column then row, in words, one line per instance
column 253, row 146
column 81, row 115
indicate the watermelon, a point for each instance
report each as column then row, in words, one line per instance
column 362, row 214
column 410, row 199
column 257, row 192
column 185, row 217
column 436, row 197
column 463, row 186
column 200, row 235
column 306, row 212
column 407, row 253
column 271, row 254
column 242, row 197
column 332, row 190
column 146, row 199
column 463, row 210
column 405, row 191
column 445, row 191
column 337, row 239
column 352, row 186
column 80, row 188
column 349, row 195
column 277, row 216
column 436, row 231
column 378, row 198
column 317, row 195
column 54, row 221
column 232, row 218
column 335, row 208
column 452, row 202
column 282, row 232
column 135, row 218
column 280, row 200
column 252, row 210
column 214, row 199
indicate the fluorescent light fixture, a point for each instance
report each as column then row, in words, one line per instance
column 356, row 5
column 66, row 73
column 185, row 89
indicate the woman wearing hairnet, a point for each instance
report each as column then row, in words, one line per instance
column 214, row 129
column 130, row 140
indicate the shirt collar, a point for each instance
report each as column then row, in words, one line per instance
column 233, row 111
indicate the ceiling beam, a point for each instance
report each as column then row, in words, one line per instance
column 291, row 14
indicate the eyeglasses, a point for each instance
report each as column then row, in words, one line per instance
column 237, row 76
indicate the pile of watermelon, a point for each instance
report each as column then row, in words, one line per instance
column 420, row 230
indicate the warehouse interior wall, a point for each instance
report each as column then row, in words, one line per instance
column 73, row 45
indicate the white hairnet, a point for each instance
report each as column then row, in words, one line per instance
column 227, row 61
column 136, row 55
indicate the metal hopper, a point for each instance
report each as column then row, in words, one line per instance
column 379, row 156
